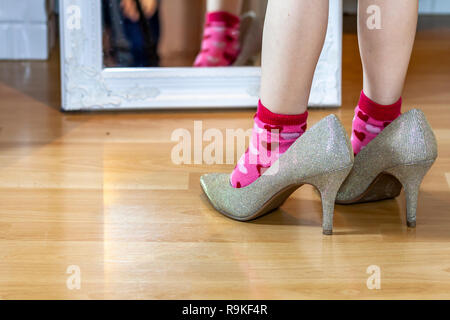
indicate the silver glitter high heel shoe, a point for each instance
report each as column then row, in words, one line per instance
column 322, row 157
column 400, row 155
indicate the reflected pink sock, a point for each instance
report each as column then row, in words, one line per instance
column 220, row 44
column 272, row 136
column 370, row 119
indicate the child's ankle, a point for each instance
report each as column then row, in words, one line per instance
column 370, row 119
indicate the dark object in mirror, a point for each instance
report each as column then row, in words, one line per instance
column 130, row 33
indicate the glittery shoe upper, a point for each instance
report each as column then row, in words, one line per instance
column 407, row 140
column 322, row 149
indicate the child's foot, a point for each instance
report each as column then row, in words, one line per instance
column 272, row 136
column 370, row 119
column 220, row 45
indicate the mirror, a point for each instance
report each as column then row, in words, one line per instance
column 173, row 33
column 144, row 54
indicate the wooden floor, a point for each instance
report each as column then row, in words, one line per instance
column 99, row 191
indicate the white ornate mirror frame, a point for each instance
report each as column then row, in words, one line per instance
column 87, row 85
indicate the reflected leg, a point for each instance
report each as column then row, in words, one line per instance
column 220, row 45
column 231, row 6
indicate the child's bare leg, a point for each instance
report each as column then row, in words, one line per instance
column 294, row 34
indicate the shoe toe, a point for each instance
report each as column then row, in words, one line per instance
column 224, row 198
column 214, row 186
column 212, row 181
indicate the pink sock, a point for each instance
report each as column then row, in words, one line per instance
column 220, row 45
column 272, row 136
column 370, row 119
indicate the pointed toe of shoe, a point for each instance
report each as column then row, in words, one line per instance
column 205, row 181
column 214, row 186
column 238, row 204
column 213, row 181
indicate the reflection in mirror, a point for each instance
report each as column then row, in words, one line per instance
column 178, row 33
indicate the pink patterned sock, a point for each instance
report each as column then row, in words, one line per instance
column 272, row 136
column 370, row 119
column 220, row 45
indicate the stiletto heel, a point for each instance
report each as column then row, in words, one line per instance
column 322, row 157
column 328, row 186
column 411, row 176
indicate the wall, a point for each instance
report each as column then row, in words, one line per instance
column 425, row 6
